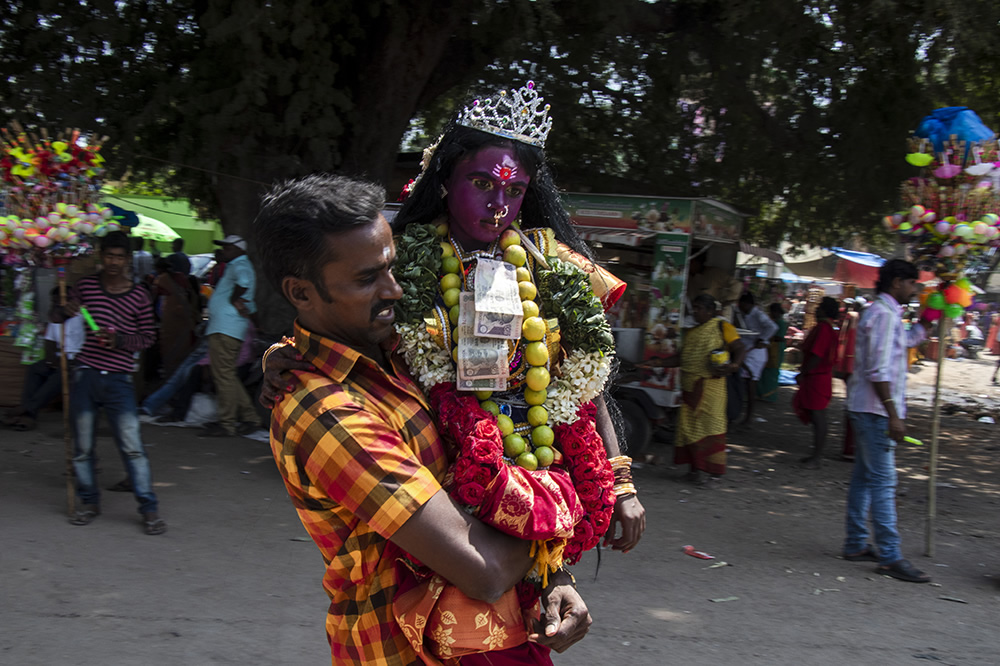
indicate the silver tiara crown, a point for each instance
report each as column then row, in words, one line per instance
column 518, row 115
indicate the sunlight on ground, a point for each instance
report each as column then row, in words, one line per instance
column 669, row 615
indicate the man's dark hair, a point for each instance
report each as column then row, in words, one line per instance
column 115, row 239
column 296, row 216
column 747, row 297
column 776, row 310
column 829, row 307
column 892, row 269
column 137, row 242
column 178, row 245
column 163, row 266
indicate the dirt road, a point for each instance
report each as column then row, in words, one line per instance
column 233, row 581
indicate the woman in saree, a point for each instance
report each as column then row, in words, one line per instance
column 701, row 423
column 819, row 353
column 767, row 387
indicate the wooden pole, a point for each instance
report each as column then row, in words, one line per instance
column 935, row 431
column 64, row 369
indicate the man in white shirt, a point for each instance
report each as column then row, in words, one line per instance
column 748, row 317
column 43, row 380
column 142, row 261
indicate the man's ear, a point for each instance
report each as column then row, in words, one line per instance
column 300, row 293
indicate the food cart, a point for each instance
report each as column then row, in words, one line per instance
column 648, row 242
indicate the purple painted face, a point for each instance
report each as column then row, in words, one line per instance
column 491, row 180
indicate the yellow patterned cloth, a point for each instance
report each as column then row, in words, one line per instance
column 442, row 624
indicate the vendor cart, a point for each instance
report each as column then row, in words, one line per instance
column 648, row 242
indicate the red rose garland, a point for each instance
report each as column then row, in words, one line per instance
column 481, row 453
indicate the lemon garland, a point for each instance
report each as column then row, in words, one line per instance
column 550, row 402
column 537, row 450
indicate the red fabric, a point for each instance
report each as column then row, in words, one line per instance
column 816, row 387
column 526, row 654
column 536, row 506
column 865, row 277
column 699, row 453
column 852, row 272
column 991, row 338
column 845, row 344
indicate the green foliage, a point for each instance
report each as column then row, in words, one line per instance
column 566, row 292
column 418, row 261
column 796, row 112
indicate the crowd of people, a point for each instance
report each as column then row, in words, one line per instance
column 138, row 333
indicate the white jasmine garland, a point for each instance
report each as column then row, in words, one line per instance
column 584, row 375
column 429, row 363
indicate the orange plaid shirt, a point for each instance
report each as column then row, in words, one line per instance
column 359, row 454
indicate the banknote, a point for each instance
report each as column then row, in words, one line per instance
column 482, row 384
column 481, row 360
column 478, row 357
column 498, row 302
column 498, row 325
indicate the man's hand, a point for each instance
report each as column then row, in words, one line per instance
column 106, row 337
column 631, row 515
column 897, row 429
column 277, row 380
column 565, row 618
column 241, row 307
column 724, row 370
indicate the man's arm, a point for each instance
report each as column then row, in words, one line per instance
column 145, row 325
column 480, row 561
column 357, row 459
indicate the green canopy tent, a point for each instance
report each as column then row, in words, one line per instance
column 176, row 214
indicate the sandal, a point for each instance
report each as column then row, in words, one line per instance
column 866, row 555
column 903, row 570
column 85, row 515
column 13, row 415
column 154, row 524
column 23, row 423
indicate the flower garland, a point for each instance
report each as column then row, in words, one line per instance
column 427, row 360
column 481, row 455
column 584, row 375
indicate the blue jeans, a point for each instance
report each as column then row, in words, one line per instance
column 153, row 403
column 873, row 488
column 90, row 390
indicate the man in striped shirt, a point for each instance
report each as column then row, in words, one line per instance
column 102, row 377
column 356, row 444
column 876, row 407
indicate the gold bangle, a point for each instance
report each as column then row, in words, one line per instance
column 619, row 462
column 888, row 400
column 623, row 489
column 284, row 342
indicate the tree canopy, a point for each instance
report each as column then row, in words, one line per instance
column 796, row 112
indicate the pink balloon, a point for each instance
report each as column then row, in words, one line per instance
column 931, row 315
